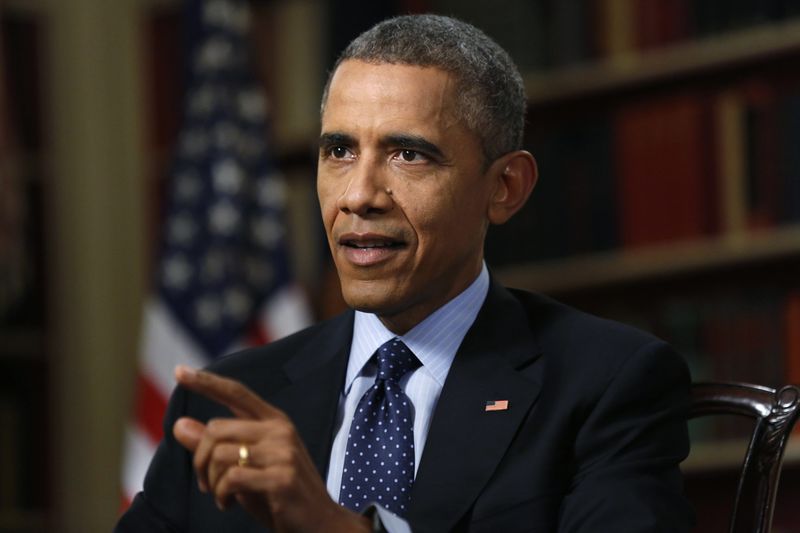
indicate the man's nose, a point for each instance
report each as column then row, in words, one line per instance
column 367, row 190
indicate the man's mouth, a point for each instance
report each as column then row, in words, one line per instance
column 368, row 250
column 366, row 244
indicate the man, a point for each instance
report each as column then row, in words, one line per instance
column 510, row 412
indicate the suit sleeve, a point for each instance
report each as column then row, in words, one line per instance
column 162, row 506
column 629, row 449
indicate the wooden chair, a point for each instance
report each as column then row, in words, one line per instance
column 775, row 413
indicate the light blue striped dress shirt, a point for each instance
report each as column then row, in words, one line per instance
column 434, row 341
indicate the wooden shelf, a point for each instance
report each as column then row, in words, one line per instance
column 727, row 455
column 627, row 266
column 682, row 59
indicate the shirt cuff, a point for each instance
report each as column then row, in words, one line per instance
column 384, row 520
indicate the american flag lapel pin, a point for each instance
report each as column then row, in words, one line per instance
column 496, row 405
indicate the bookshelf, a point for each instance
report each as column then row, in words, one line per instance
column 715, row 75
column 721, row 287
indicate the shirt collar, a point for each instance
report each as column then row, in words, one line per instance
column 434, row 341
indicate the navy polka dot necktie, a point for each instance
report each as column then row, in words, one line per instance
column 379, row 461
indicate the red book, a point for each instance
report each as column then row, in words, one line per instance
column 660, row 22
column 664, row 153
column 647, row 14
column 676, row 21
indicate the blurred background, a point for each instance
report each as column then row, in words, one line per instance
column 667, row 134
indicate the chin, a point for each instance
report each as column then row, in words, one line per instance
column 370, row 299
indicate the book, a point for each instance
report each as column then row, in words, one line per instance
column 762, row 147
column 570, row 32
column 666, row 170
column 591, row 210
column 729, row 109
column 660, row 22
column 616, row 34
column 789, row 115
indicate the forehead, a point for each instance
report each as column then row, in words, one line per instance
column 389, row 95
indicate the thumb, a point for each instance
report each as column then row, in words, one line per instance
column 188, row 432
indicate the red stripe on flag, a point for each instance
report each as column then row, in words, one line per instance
column 150, row 407
column 124, row 503
column 257, row 335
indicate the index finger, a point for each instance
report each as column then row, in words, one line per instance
column 243, row 402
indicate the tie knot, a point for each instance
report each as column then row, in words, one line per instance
column 395, row 360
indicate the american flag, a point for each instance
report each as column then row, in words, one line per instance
column 223, row 279
column 496, row 405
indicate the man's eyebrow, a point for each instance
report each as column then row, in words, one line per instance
column 326, row 140
column 412, row 142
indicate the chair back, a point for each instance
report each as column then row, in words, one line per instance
column 775, row 413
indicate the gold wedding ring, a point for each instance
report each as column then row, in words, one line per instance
column 244, row 455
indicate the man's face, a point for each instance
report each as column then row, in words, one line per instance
column 400, row 254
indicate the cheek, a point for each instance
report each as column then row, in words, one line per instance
column 428, row 220
column 448, row 222
column 327, row 203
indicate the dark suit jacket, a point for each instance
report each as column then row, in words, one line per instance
column 591, row 440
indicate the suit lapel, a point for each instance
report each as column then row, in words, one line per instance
column 465, row 442
column 316, row 376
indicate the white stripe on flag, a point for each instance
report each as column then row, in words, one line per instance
column 139, row 449
column 165, row 345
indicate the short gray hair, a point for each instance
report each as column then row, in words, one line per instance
column 489, row 87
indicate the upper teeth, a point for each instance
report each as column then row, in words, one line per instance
column 370, row 245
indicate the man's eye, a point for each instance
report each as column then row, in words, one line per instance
column 338, row 152
column 411, row 156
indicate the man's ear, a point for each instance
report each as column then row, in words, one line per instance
column 515, row 176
